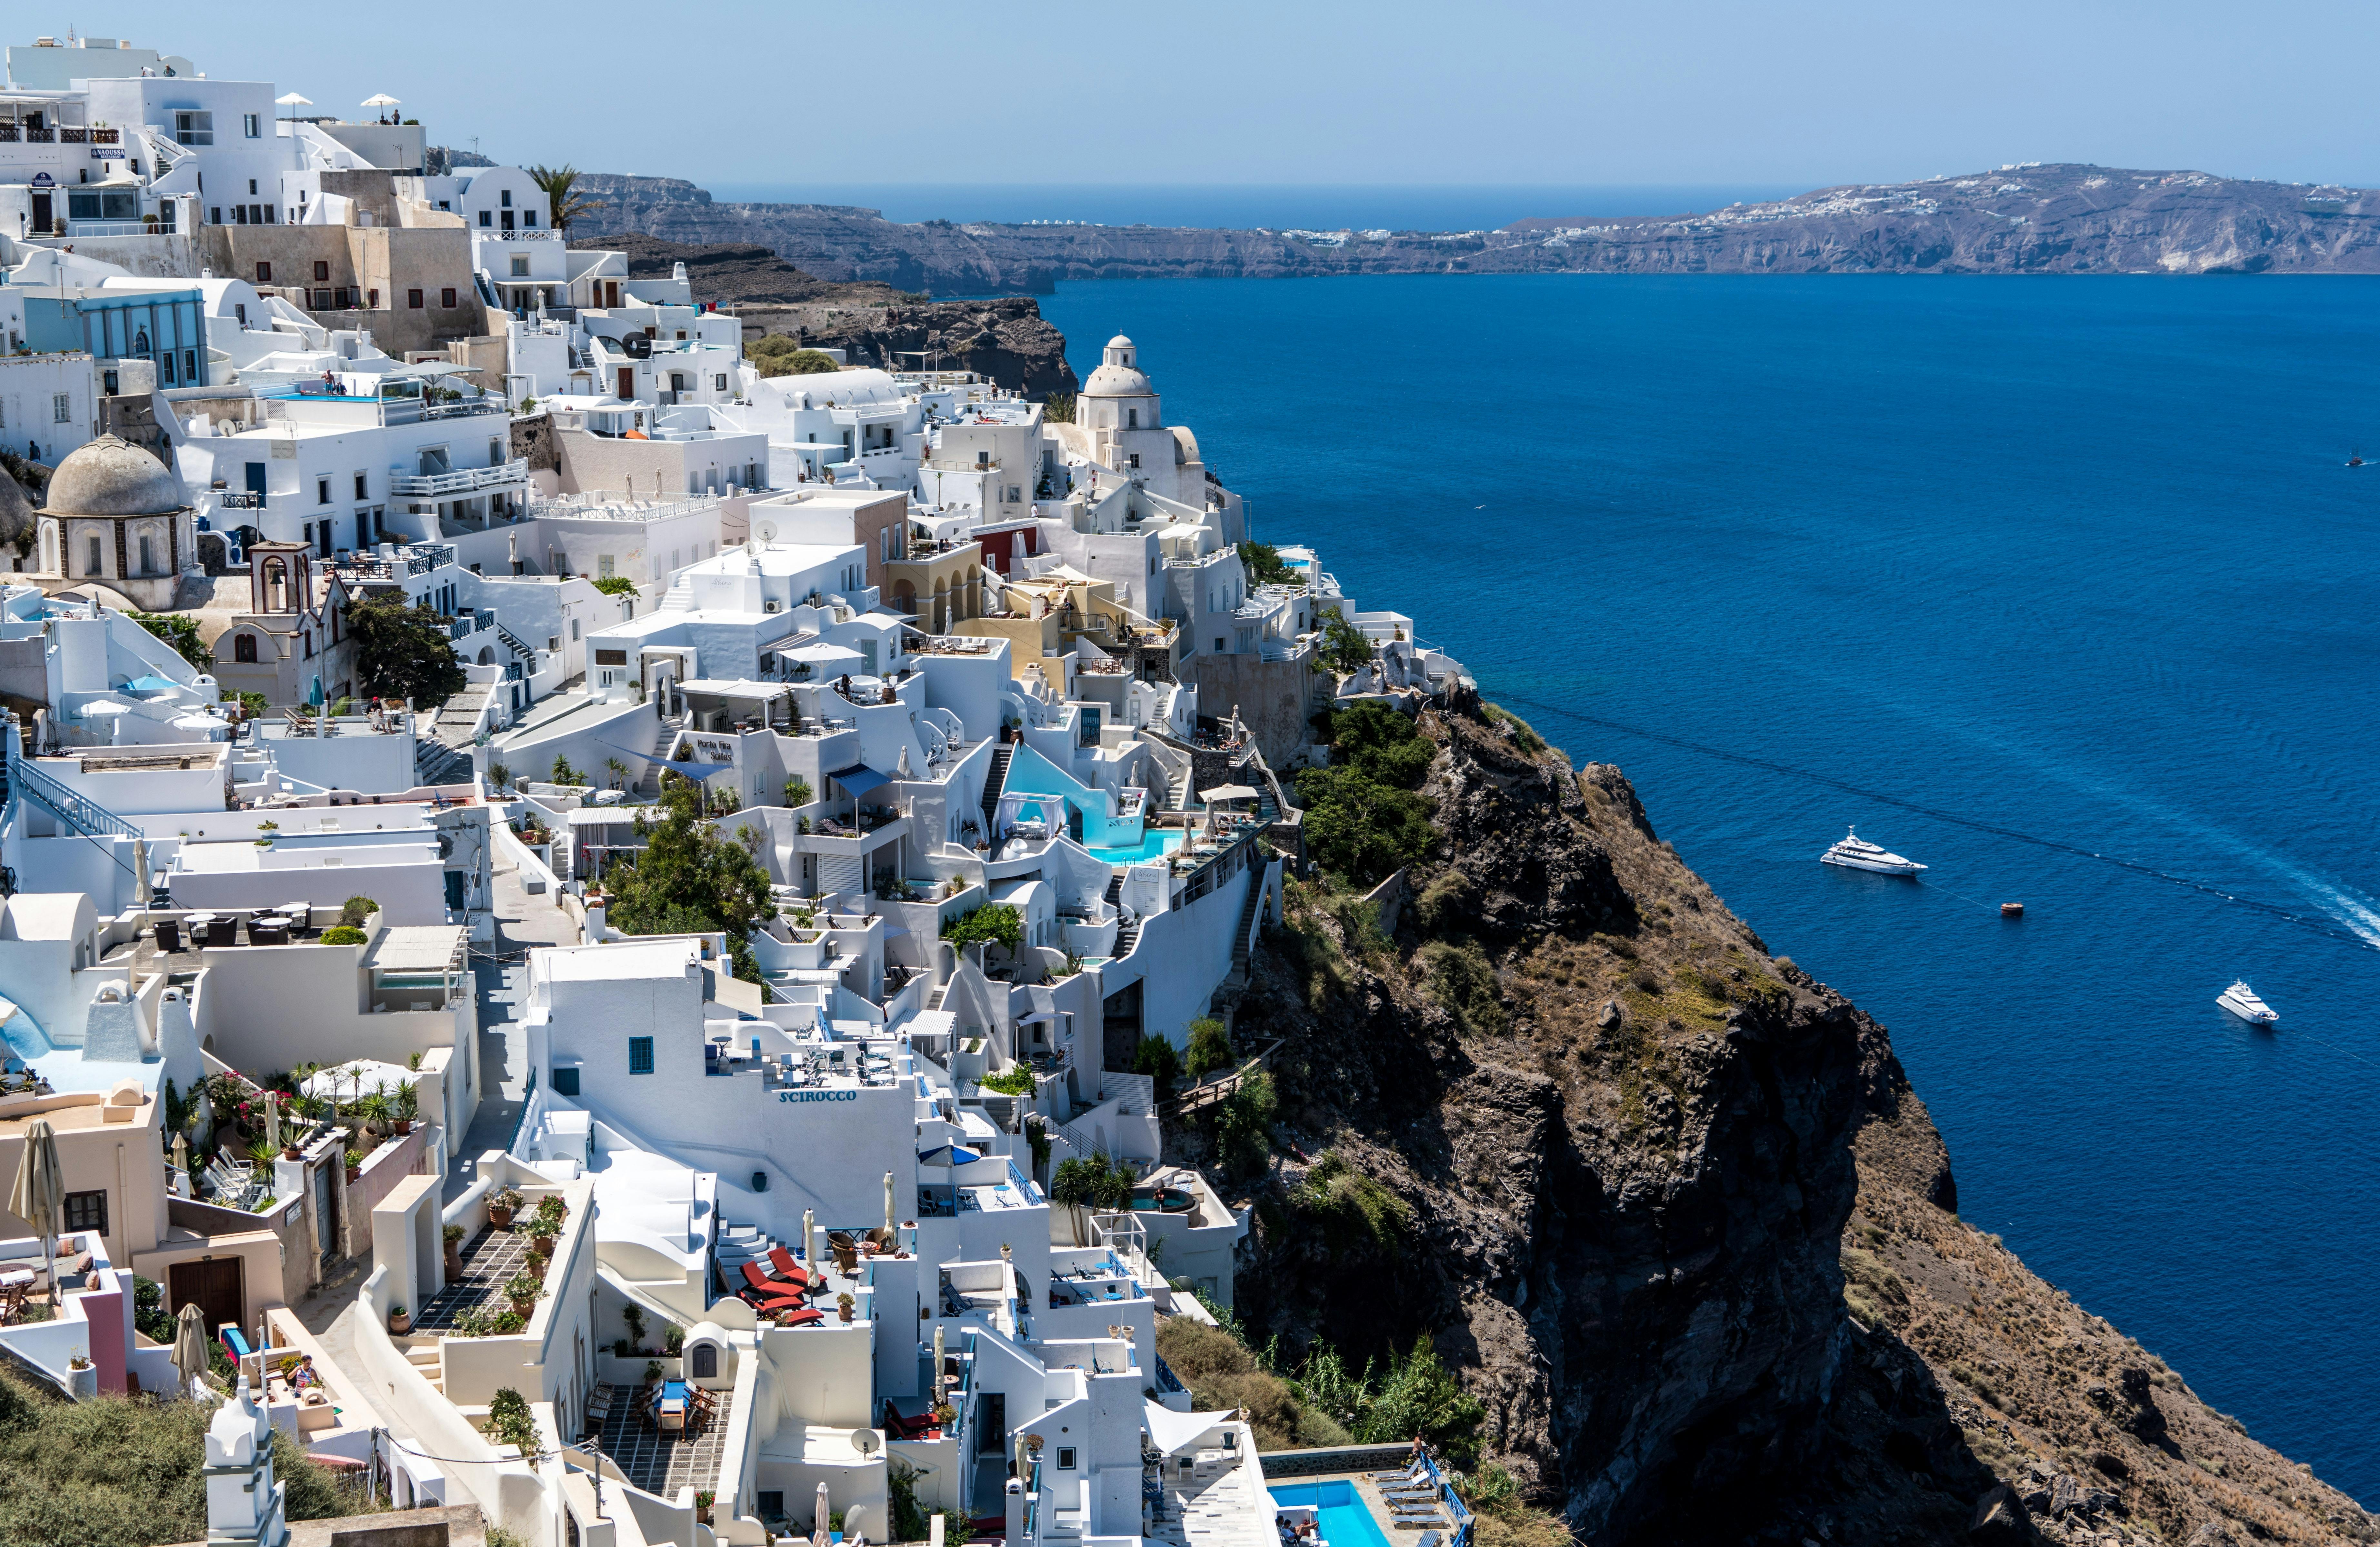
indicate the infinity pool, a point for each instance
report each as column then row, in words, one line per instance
column 1340, row 1511
column 1154, row 845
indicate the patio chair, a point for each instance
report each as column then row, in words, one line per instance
column 791, row 1271
column 789, row 1316
column 760, row 1287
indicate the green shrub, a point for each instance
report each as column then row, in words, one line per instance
column 1155, row 1057
column 1211, row 1048
column 342, row 934
column 798, row 792
column 1463, row 983
column 1264, row 565
column 1093, row 1181
column 1349, row 1209
column 1345, row 648
column 1015, row 1080
column 1523, row 737
column 997, row 923
column 615, row 585
column 1361, row 829
column 355, row 909
column 1244, row 1127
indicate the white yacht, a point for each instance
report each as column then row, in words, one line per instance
column 1854, row 853
column 2241, row 1001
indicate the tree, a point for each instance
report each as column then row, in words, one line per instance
column 996, row 922
column 690, row 880
column 1155, row 1058
column 181, row 630
column 1243, row 1128
column 562, row 205
column 1264, row 565
column 783, row 355
column 402, row 652
column 1362, row 828
column 1211, row 1048
column 1345, row 648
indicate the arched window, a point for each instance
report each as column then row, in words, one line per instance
column 243, row 649
column 141, row 341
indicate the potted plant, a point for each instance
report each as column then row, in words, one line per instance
column 400, row 1320
column 702, row 1502
column 502, row 1206
column 843, row 1305
column 354, row 1163
column 652, row 1371
column 508, row 1322
column 404, row 1105
column 453, row 1252
column 523, row 1289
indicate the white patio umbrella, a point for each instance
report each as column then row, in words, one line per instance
column 41, row 1192
column 822, row 1534
column 191, row 1347
column 380, row 99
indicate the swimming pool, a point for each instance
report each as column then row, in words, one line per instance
column 1154, row 844
column 1340, row 1511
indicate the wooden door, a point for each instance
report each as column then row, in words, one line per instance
column 627, row 383
column 213, row 1286
column 41, row 214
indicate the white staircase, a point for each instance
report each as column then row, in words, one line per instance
column 739, row 1244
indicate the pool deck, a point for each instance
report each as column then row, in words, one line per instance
column 1369, row 1491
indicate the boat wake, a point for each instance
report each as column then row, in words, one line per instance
column 2343, row 916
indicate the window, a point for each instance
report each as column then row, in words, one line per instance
column 215, row 214
column 529, row 220
column 1065, row 1459
column 61, row 408
column 321, row 491
column 251, row 187
column 362, row 491
column 447, row 299
column 194, row 128
column 1132, row 420
column 243, row 649
column 566, row 1082
column 603, row 565
column 321, row 271
column 413, row 299
column 1219, row 647
column 487, row 218
column 86, row 1211
column 190, row 367
column 250, row 127
column 93, row 567
column 705, row 1365
column 719, row 382
column 640, row 1055
column 611, row 657
column 574, row 629
column 505, row 198
column 520, row 268
column 148, row 558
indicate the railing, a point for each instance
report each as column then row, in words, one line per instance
column 36, row 136
column 84, row 814
column 116, row 228
column 421, row 557
column 460, row 481
column 459, row 410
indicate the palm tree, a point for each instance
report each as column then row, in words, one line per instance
column 562, row 206
column 619, row 771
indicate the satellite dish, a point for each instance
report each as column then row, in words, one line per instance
column 864, row 1441
column 767, row 531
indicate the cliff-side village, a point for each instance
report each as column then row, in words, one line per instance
column 323, row 1012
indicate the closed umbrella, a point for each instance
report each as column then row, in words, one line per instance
column 272, row 1118
column 888, row 1202
column 191, row 1347
column 820, row 1533
column 181, row 1162
column 41, row 1192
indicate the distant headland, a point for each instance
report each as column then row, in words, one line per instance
column 2028, row 218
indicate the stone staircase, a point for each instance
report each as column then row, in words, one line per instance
column 1128, row 935
column 993, row 783
column 422, row 1354
column 1239, row 975
column 739, row 1244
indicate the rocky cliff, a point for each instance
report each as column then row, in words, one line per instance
column 1004, row 340
column 2060, row 219
column 1671, row 1209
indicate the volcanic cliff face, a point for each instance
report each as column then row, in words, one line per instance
column 1633, row 1154
column 2056, row 219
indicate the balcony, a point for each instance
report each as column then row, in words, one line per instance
column 463, row 481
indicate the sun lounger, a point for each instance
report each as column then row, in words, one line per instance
column 1405, row 1474
column 1429, row 1539
column 789, row 1270
column 1404, row 1524
column 759, row 1283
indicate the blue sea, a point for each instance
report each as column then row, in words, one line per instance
column 2058, row 584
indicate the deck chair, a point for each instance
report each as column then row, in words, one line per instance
column 791, row 1271
column 763, row 1292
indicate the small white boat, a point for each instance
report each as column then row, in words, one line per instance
column 2241, row 1001
column 1854, row 853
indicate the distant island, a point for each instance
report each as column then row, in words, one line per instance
column 2018, row 219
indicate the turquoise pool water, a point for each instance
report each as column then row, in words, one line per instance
column 1153, row 845
column 1343, row 1519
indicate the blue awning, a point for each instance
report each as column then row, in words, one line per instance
column 948, row 1154
column 859, row 778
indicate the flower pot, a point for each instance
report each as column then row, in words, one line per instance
column 404, row 1127
column 291, row 1151
column 522, row 1308
column 843, row 1313
column 454, row 1265
column 502, row 1218
column 540, row 1246
column 355, row 1174
column 400, row 1324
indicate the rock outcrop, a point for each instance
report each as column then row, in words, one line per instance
column 1004, row 340
column 2057, row 219
column 1672, row 1211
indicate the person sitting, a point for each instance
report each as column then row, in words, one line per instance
column 303, row 1376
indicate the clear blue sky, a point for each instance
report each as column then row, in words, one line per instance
column 1384, row 92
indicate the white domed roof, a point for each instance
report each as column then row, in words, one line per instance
column 16, row 510
column 1118, row 381
column 110, row 477
column 1119, row 342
